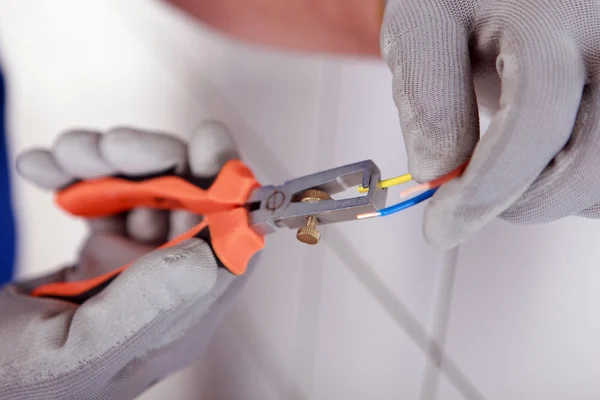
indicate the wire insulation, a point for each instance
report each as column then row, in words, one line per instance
column 436, row 183
column 399, row 180
column 407, row 203
column 400, row 206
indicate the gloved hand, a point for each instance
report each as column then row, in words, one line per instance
column 156, row 316
column 538, row 161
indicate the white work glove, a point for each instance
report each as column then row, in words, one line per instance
column 152, row 319
column 540, row 158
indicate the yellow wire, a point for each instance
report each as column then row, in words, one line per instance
column 399, row 180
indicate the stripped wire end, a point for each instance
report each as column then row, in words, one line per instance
column 368, row 215
column 398, row 207
column 399, row 180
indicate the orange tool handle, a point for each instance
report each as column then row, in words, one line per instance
column 108, row 196
column 233, row 240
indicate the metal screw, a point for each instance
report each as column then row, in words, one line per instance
column 275, row 201
column 309, row 233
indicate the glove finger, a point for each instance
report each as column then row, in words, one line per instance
column 134, row 152
column 44, row 169
column 78, row 153
column 138, row 153
column 541, row 92
column 428, row 54
column 39, row 167
column 148, row 225
column 570, row 183
column 115, row 224
column 211, row 146
column 182, row 221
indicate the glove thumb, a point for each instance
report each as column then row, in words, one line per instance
column 106, row 252
column 428, row 54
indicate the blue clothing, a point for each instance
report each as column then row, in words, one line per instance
column 7, row 222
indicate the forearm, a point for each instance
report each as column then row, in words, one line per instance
column 345, row 27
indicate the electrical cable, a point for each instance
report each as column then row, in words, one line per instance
column 436, row 183
column 429, row 189
column 400, row 206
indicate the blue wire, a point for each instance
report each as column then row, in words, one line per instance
column 407, row 203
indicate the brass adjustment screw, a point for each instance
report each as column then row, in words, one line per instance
column 309, row 233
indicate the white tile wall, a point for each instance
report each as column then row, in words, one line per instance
column 357, row 317
column 523, row 319
column 447, row 391
column 362, row 352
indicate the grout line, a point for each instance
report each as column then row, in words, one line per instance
column 307, row 319
column 441, row 317
column 400, row 313
column 265, row 357
column 311, row 276
column 336, row 242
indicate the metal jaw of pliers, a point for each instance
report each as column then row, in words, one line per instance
column 306, row 202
